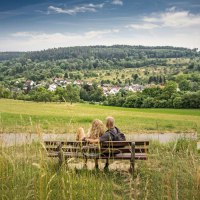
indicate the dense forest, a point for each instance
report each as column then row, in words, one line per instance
column 118, row 65
column 103, row 52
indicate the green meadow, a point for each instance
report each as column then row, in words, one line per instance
column 30, row 117
column 172, row 170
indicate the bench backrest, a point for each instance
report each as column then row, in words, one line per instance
column 110, row 146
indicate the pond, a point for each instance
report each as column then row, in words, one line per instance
column 10, row 139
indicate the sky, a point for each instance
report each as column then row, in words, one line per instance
column 29, row 25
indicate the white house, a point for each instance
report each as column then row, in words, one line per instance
column 52, row 87
column 114, row 90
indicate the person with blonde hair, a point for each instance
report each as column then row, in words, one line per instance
column 112, row 134
column 97, row 130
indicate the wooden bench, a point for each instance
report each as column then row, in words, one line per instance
column 111, row 150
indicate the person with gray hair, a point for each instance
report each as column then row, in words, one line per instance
column 112, row 134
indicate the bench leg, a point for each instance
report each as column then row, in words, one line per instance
column 61, row 158
column 132, row 161
column 106, row 165
column 85, row 163
column 132, row 167
column 60, row 154
column 96, row 163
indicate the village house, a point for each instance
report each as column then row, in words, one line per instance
column 114, row 90
column 52, row 87
column 78, row 82
column 68, row 82
column 28, row 85
column 134, row 88
column 105, row 90
column 59, row 81
column 138, row 88
column 89, row 83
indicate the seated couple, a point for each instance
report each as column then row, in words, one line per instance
column 98, row 134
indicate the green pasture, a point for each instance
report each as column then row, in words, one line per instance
column 20, row 116
column 171, row 172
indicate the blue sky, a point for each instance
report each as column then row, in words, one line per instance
column 27, row 25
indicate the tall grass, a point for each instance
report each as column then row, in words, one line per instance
column 171, row 172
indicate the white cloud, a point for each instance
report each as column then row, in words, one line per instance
column 45, row 36
column 174, row 18
column 22, row 34
column 95, row 34
column 30, row 41
column 78, row 9
column 144, row 26
column 171, row 18
column 117, row 2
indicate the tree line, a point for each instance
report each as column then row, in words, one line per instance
column 156, row 97
column 103, row 52
column 167, row 97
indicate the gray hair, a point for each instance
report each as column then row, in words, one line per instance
column 110, row 122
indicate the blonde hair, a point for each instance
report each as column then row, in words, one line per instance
column 97, row 129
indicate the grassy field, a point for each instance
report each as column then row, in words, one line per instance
column 20, row 116
column 171, row 172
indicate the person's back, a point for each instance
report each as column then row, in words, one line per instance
column 113, row 133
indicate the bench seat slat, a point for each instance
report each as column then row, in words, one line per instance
column 103, row 144
column 123, row 143
column 121, row 156
column 102, row 150
column 114, row 150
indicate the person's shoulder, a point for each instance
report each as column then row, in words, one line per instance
column 117, row 129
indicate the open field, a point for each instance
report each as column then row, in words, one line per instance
column 171, row 172
column 21, row 117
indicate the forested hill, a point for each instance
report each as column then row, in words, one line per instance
column 103, row 52
column 10, row 55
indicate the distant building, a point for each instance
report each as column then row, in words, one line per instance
column 134, row 88
column 137, row 88
column 114, row 90
column 28, row 85
column 59, row 81
column 89, row 83
column 52, row 87
column 78, row 82
column 68, row 82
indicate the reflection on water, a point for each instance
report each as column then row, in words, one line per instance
column 9, row 139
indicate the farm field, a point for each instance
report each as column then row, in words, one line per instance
column 29, row 117
column 171, row 171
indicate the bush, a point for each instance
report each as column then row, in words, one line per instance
column 191, row 100
column 148, row 102
column 177, row 102
column 161, row 104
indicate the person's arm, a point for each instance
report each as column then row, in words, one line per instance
column 92, row 140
